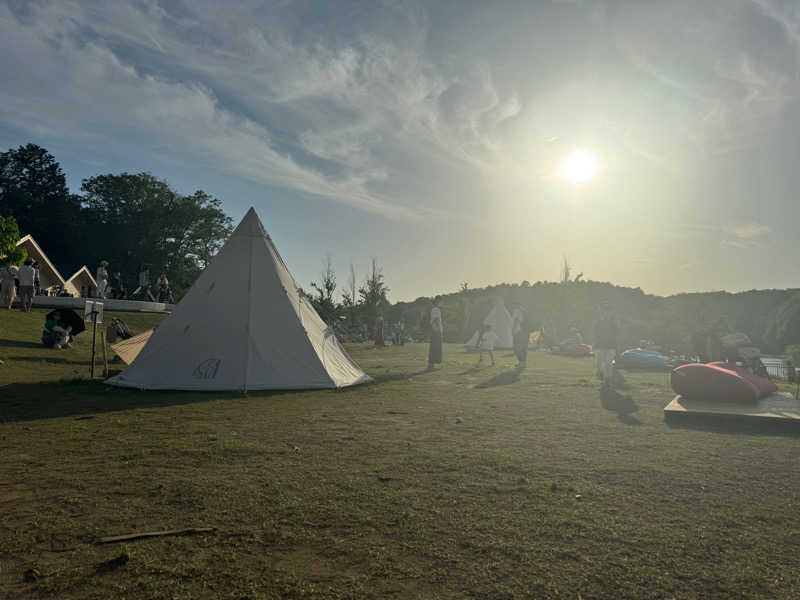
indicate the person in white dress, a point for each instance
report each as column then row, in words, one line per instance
column 102, row 279
column 486, row 342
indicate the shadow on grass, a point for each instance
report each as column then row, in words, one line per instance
column 50, row 359
column 57, row 399
column 474, row 369
column 728, row 424
column 505, row 378
column 20, row 344
column 624, row 406
column 387, row 377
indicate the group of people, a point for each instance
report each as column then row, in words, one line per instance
column 606, row 330
column 22, row 282
column 114, row 288
column 487, row 338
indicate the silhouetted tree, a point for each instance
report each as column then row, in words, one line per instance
column 324, row 301
column 373, row 294
column 137, row 218
column 34, row 191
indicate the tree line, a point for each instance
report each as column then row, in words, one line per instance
column 128, row 219
column 771, row 318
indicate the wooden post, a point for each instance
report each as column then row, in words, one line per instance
column 105, row 355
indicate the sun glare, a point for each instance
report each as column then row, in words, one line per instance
column 579, row 167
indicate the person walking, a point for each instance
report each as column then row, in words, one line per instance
column 520, row 334
column 8, row 287
column 102, row 279
column 605, row 345
column 437, row 332
column 26, row 277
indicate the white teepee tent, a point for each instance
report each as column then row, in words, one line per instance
column 244, row 325
column 500, row 320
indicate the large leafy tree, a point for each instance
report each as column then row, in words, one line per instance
column 137, row 218
column 34, row 191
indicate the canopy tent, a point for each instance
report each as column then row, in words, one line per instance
column 500, row 320
column 129, row 349
column 244, row 325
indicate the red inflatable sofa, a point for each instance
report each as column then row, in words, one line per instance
column 720, row 382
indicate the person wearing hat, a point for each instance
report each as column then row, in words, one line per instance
column 102, row 279
column 605, row 345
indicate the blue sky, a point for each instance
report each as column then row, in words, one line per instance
column 429, row 135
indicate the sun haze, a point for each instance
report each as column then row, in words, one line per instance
column 579, row 167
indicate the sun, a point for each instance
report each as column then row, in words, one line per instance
column 579, row 167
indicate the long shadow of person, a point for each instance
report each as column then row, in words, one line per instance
column 505, row 378
column 624, row 406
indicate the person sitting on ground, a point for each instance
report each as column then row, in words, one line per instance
column 486, row 342
column 26, row 278
column 56, row 334
column 605, row 345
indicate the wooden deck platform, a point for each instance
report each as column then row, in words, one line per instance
column 110, row 305
column 779, row 407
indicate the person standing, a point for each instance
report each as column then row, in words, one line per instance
column 102, row 279
column 437, row 332
column 486, row 342
column 26, row 278
column 37, row 283
column 521, row 335
column 164, row 291
column 605, row 345
column 379, row 336
column 117, row 287
column 8, row 287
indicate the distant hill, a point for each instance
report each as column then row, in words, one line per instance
column 770, row 317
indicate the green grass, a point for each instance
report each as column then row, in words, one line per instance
column 458, row 483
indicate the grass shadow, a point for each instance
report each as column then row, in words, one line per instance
column 623, row 406
column 504, row 378
column 78, row 397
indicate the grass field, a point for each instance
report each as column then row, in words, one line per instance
column 464, row 482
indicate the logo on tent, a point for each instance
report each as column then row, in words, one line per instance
column 207, row 369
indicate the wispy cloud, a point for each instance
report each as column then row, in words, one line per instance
column 747, row 231
column 248, row 94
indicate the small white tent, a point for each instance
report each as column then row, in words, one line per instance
column 500, row 320
column 244, row 325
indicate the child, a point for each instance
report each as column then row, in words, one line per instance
column 486, row 342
